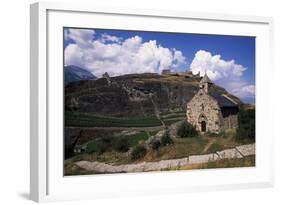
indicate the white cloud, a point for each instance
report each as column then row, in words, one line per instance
column 83, row 37
column 117, row 56
column 246, row 91
column 109, row 38
column 215, row 66
column 228, row 74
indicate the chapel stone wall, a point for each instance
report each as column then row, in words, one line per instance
column 203, row 107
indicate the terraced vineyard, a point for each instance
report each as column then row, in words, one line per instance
column 76, row 119
column 172, row 117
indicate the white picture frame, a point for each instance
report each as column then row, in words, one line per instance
column 47, row 182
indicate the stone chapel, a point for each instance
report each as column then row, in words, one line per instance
column 211, row 112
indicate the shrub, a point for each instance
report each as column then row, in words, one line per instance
column 229, row 133
column 107, row 140
column 223, row 134
column 97, row 146
column 155, row 145
column 187, row 130
column 138, row 152
column 166, row 139
column 246, row 125
column 121, row 144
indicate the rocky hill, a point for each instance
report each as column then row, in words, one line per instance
column 137, row 95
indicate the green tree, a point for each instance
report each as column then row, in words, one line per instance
column 121, row 145
column 246, row 124
column 155, row 145
column 166, row 139
column 138, row 152
column 187, row 130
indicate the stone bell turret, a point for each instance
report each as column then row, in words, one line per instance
column 205, row 83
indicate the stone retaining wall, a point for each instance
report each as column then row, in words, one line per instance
column 234, row 153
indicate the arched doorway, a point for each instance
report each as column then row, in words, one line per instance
column 203, row 126
column 202, row 123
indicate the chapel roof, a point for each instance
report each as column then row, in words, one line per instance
column 223, row 100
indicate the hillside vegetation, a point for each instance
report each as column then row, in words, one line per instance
column 137, row 95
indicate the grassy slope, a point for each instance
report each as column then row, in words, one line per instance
column 182, row 147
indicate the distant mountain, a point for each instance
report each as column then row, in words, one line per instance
column 75, row 73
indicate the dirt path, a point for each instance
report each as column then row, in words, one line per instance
column 157, row 112
column 234, row 153
column 208, row 145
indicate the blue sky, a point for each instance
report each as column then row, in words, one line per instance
column 228, row 60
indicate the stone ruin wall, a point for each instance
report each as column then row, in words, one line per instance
column 230, row 122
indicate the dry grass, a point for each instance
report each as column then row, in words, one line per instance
column 182, row 147
column 224, row 141
column 71, row 169
column 224, row 163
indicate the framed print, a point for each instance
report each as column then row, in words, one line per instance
column 127, row 102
